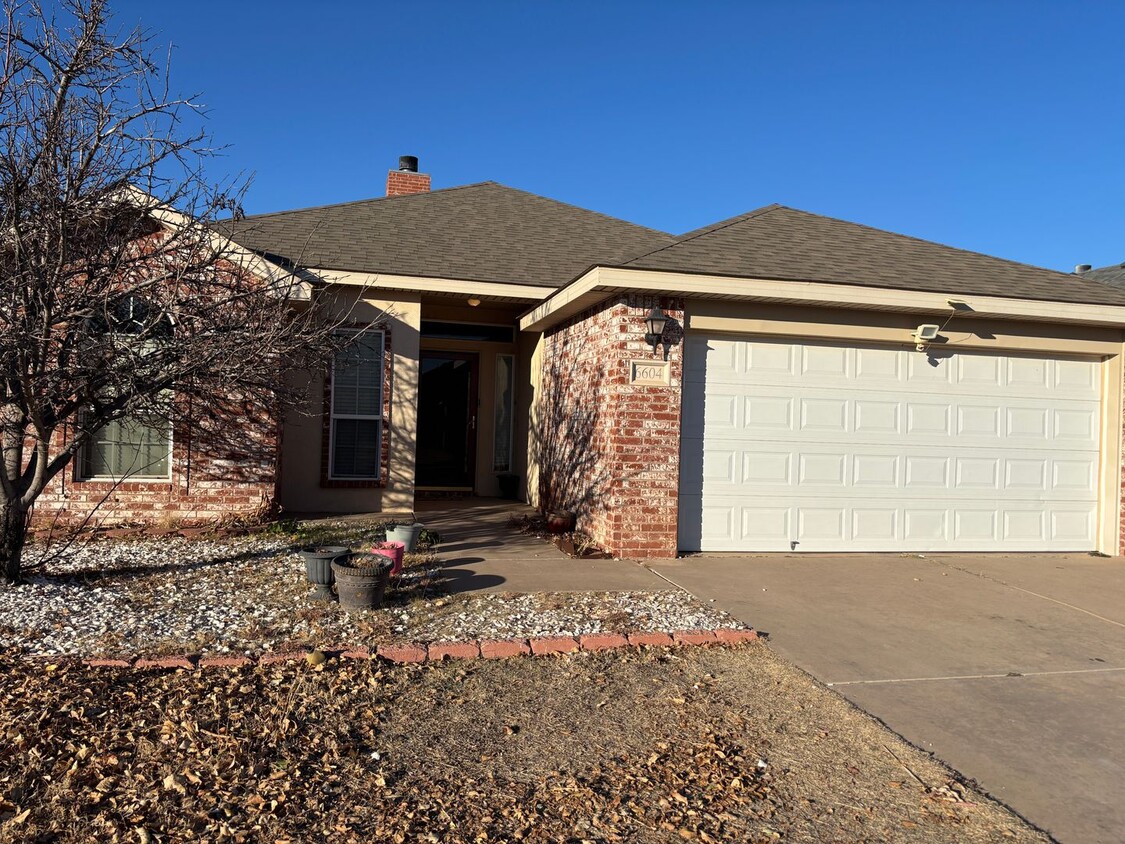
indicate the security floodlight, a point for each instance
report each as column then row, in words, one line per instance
column 924, row 335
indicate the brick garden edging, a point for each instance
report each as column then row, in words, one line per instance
column 412, row 652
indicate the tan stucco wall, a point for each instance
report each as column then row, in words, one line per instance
column 527, row 384
column 302, row 431
column 797, row 322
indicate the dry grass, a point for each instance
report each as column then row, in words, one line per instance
column 647, row 746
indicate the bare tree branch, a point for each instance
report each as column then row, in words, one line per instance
column 120, row 295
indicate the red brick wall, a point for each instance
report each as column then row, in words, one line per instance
column 609, row 450
column 403, row 183
column 210, row 481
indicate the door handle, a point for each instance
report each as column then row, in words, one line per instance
column 472, row 423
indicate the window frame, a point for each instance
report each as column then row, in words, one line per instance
column 381, row 418
column 83, row 468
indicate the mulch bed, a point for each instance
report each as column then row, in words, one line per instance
column 649, row 745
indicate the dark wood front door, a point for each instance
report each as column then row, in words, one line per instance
column 447, row 420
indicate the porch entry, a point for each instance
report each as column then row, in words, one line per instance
column 447, row 420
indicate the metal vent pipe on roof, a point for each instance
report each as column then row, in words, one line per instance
column 1082, row 268
column 408, row 163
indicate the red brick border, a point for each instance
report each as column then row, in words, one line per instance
column 411, row 652
column 504, row 648
column 453, row 650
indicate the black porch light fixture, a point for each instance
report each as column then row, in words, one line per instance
column 655, row 322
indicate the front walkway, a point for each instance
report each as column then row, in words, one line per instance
column 480, row 552
column 1011, row 668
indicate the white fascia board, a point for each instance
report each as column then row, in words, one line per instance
column 584, row 291
column 601, row 281
column 424, row 284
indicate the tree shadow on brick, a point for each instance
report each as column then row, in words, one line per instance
column 569, row 440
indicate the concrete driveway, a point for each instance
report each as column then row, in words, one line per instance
column 1010, row 668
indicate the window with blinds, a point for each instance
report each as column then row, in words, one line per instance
column 128, row 448
column 357, row 409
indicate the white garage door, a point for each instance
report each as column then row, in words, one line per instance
column 817, row 447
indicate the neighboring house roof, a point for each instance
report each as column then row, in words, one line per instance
column 1113, row 274
column 776, row 242
column 481, row 232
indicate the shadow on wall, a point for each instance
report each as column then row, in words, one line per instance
column 690, row 528
column 569, row 433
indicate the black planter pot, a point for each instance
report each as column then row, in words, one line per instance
column 318, row 568
column 509, row 485
column 361, row 580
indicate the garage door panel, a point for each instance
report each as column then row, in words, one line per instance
column 891, row 369
column 771, row 412
column 875, row 524
column 772, row 527
column 731, row 469
column 831, row 448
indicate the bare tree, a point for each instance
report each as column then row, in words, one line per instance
column 120, row 296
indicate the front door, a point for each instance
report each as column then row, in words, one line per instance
column 447, row 420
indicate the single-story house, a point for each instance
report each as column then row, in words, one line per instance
column 812, row 385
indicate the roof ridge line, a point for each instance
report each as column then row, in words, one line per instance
column 916, row 239
column 350, row 202
column 583, row 209
column 714, row 227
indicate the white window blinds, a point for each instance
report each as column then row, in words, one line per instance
column 357, row 409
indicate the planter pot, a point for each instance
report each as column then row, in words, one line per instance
column 560, row 521
column 406, row 534
column 393, row 551
column 361, row 587
column 318, row 568
column 509, row 485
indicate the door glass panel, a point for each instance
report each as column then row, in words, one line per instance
column 502, row 410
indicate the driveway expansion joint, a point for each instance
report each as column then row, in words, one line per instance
column 1006, row 676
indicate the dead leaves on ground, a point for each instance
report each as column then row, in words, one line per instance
column 296, row 752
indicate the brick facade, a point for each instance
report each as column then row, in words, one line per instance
column 608, row 449
column 209, row 482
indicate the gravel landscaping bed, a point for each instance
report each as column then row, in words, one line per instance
column 110, row 598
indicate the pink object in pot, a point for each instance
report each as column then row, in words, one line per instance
column 393, row 550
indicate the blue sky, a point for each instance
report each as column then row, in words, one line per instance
column 994, row 126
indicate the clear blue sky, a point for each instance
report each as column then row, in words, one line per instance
column 995, row 126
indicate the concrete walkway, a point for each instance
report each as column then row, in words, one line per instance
column 1011, row 668
column 480, row 552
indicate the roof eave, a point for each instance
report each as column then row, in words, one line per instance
column 392, row 282
column 602, row 281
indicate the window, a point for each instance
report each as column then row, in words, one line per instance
column 476, row 331
column 357, row 409
column 128, row 448
column 502, row 431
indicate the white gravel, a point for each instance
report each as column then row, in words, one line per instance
column 175, row 595
column 504, row 615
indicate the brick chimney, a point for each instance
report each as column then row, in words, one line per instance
column 406, row 179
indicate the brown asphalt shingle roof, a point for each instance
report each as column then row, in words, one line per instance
column 1113, row 275
column 492, row 233
column 777, row 242
column 481, row 232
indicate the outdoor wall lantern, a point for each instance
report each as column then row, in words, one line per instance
column 655, row 322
